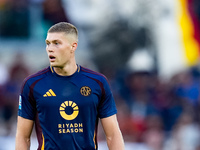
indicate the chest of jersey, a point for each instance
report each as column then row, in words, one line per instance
column 67, row 99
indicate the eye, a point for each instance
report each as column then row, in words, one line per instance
column 56, row 43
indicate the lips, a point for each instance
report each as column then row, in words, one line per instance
column 52, row 58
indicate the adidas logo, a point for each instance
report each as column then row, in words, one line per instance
column 49, row 93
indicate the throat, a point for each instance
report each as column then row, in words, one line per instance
column 65, row 71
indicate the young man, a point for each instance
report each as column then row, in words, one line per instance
column 65, row 101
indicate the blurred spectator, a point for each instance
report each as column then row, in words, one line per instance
column 198, row 147
column 196, row 7
column 185, row 135
column 4, row 75
column 53, row 12
column 188, row 88
column 128, row 129
column 14, row 18
column 114, row 44
column 11, row 90
column 139, row 100
column 154, row 135
column 166, row 100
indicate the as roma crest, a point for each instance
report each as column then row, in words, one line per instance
column 85, row 91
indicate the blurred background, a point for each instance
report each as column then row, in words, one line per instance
column 148, row 49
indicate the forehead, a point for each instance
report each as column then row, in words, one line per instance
column 56, row 36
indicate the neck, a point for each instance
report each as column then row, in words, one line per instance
column 66, row 70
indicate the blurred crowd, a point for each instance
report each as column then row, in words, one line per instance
column 162, row 114
column 157, row 113
column 9, row 93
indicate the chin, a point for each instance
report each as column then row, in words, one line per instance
column 55, row 65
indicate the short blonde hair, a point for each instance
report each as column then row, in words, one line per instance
column 64, row 27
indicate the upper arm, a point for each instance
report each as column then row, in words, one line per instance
column 110, row 125
column 23, row 134
column 24, row 126
column 113, row 134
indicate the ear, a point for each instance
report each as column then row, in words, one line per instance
column 74, row 46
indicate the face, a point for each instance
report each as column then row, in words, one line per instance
column 59, row 49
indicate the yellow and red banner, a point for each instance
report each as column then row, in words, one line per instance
column 190, row 27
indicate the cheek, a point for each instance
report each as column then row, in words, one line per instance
column 64, row 55
column 66, row 51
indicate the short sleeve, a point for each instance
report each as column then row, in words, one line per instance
column 27, row 107
column 107, row 106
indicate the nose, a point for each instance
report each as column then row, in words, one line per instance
column 49, row 48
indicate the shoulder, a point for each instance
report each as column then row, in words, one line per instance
column 36, row 76
column 93, row 74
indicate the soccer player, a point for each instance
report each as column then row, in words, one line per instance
column 66, row 100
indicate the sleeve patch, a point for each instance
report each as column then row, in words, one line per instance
column 20, row 102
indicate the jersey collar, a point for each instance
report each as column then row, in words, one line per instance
column 73, row 75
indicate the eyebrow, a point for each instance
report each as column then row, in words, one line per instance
column 52, row 41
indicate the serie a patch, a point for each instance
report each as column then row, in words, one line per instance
column 20, row 102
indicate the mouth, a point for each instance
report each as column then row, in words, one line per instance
column 52, row 58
